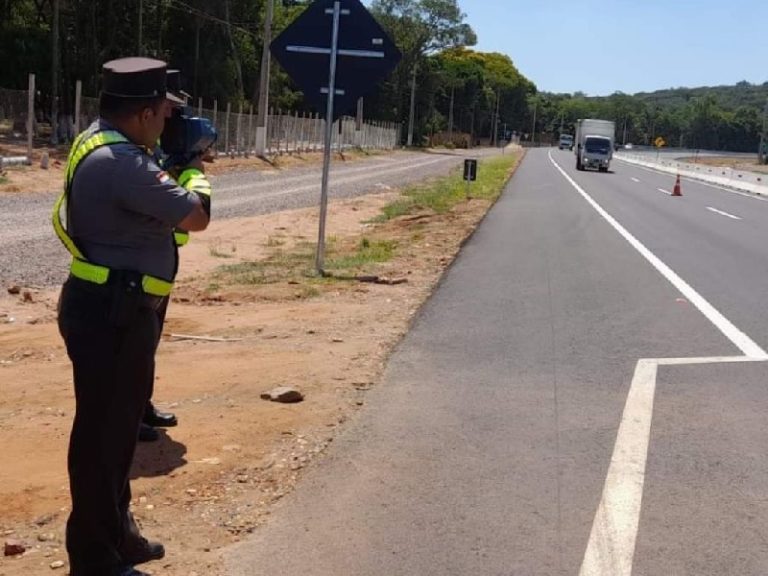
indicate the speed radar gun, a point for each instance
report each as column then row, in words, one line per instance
column 186, row 137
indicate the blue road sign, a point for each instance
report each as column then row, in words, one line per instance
column 364, row 53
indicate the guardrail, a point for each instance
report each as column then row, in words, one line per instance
column 737, row 179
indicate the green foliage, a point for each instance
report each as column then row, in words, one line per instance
column 368, row 252
column 723, row 117
column 442, row 195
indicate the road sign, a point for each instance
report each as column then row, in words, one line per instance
column 659, row 142
column 470, row 169
column 364, row 53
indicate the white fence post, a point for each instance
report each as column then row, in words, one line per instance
column 30, row 115
column 78, row 105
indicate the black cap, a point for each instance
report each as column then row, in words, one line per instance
column 136, row 78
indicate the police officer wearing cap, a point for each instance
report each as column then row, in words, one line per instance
column 116, row 217
column 152, row 416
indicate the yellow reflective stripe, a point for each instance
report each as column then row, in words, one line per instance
column 180, row 238
column 188, row 174
column 84, row 144
column 61, row 232
column 100, row 275
column 156, row 286
column 96, row 141
column 90, row 272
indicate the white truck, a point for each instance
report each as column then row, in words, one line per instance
column 594, row 143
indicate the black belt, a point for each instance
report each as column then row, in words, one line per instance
column 117, row 282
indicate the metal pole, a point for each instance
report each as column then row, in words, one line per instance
column 55, row 76
column 761, row 156
column 30, row 115
column 78, row 103
column 533, row 131
column 261, row 122
column 413, row 105
column 319, row 260
column 141, row 26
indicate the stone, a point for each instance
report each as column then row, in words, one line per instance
column 283, row 394
column 14, row 547
column 14, row 289
column 57, row 564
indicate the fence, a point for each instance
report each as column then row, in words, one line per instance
column 287, row 132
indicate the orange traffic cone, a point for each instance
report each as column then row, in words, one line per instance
column 676, row 190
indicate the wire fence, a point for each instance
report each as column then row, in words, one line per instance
column 287, row 132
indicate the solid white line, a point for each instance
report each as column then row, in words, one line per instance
column 611, row 547
column 739, row 339
column 634, row 179
column 665, row 191
column 716, row 211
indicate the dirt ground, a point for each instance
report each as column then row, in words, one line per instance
column 213, row 479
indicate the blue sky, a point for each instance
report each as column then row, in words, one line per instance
column 603, row 46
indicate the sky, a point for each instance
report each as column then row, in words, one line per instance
column 603, row 46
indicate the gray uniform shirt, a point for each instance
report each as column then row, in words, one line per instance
column 123, row 208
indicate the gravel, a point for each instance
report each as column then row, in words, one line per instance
column 33, row 256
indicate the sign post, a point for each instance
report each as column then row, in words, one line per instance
column 359, row 55
column 470, row 172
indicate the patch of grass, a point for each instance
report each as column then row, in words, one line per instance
column 3, row 180
column 278, row 267
column 442, row 195
column 368, row 252
column 216, row 251
column 273, row 241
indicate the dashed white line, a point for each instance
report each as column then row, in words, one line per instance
column 634, row 179
column 739, row 339
column 665, row 191
column 716, row 211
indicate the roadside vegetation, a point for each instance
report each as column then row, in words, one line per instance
column 397, row 228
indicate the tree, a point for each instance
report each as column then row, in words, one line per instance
column 419, row 28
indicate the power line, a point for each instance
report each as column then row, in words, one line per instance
column 184, row 7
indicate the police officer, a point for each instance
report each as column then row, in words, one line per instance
column 120, row 210
column 152, row 416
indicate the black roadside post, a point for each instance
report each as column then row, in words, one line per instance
column 470, row 173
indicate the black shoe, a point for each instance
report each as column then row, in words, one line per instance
column 138, row 551
column 147, row 433
column 153, row 417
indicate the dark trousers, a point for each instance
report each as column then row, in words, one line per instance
column 162, row 310
column 113, row 360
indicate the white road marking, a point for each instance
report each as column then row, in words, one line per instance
column 739, row 339
column 634, row 179
column 665, row 191
column 611, row 546
column 716, row 211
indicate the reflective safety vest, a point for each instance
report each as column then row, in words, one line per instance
column 84, row 145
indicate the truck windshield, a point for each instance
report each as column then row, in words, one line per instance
column 597, row 145
column 566, row 138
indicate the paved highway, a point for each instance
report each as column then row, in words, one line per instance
column 585, row 393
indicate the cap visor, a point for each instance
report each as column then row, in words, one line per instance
column 173, row 98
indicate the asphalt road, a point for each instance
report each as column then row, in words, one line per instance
column 585, row 393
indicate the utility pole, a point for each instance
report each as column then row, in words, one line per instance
column 141, row 27
column 55, row 76
column 413, row 105
column 533, row 130
column 261, row 122
column 762, row 158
